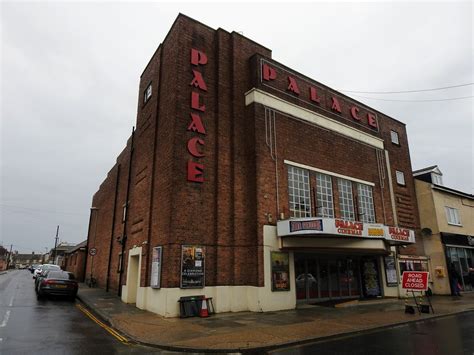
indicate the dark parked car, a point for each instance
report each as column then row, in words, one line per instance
column 41, row 272
column 58, row 283
column 41, row 276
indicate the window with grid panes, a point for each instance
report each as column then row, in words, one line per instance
column 299, row 192
column 453, row 216
column 325, row 207
column 366, row 203
column 346, row 202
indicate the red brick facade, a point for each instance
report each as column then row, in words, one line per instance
column 226, row 213
column 74, row 261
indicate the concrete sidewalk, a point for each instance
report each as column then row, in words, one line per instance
column 251, row 332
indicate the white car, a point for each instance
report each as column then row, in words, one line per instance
column 44, row 267
column 36, row 271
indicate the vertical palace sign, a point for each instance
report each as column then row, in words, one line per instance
column 198, row 108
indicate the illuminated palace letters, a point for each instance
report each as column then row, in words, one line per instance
column 270, row 74
column 195, row 145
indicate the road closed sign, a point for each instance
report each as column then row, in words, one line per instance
column 415, row 280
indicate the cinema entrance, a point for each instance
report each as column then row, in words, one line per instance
column 322, row 277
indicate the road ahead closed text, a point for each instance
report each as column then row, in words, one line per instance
column 416, row 281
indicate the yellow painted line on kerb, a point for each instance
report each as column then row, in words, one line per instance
column 105, row 326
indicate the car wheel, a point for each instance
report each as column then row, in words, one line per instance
column 39, row 295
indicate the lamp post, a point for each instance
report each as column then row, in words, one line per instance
column 89, row 241
column 56, row 244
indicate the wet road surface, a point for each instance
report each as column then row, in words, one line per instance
column 452, row 335
column 51, row 325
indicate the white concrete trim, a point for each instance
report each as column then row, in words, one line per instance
column 392, row 193
column 459, row 246
column 131, row 294
column 276, row 103
column 307, row 167
column 164, row 301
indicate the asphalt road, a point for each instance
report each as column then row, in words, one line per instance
column 58, row 326
column 51, row 326
column 452, row 335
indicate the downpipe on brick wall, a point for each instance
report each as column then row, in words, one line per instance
column 124, row 234
column 271, row 142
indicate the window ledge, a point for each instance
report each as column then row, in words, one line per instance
column 455, row 224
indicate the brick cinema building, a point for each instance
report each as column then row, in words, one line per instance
column 250, row 183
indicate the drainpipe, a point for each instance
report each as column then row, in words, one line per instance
column 87, row 244
column 107, row 282
column 127, row 212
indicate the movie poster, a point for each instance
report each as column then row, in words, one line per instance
column 155, row 277
column 390, row 271
column 192, row 266
column 280, row 271
column 370, row 278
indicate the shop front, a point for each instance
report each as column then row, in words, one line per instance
column 460, row 258
column 336, row 259
column 320, row 277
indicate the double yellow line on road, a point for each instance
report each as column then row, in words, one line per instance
column 105, row 326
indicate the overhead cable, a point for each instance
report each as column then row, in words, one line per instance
column 407, row 91
column 431, row 100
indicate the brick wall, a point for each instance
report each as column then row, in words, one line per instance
column 75, row 264
column 226, row 212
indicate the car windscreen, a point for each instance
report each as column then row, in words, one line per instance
column 51, row 267
column 60, row 275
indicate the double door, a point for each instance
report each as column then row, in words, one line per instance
column 322, row 278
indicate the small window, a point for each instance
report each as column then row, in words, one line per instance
column 119, row 265
column 299, row 192
column 394, row 136
column 366, row 203
column 452, row 215
column 346, row 204
column 147, row 95
column 400, row 178
column 124, row 213
column 325, row 207
column 436, row 179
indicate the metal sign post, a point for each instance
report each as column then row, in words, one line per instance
column 417, row 281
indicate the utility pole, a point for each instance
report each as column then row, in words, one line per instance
column 56, row 243
column 9, row 256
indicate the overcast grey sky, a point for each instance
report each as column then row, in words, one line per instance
column 70, row 73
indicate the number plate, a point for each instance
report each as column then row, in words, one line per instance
column 60, row 286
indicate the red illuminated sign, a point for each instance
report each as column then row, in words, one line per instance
column 397, row 233
column 349, row 227
column 196, row 145
column 415, row 280
column 272, row 75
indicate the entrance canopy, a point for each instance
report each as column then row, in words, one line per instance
column 339, row 228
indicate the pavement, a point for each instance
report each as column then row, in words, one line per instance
column 251, row 332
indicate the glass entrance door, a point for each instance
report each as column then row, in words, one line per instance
column 300, row 271
column 323, row 278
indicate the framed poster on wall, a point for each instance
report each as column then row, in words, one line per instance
column 192, row 266
column 390, row 271
column 155, row 277
column 280, row 271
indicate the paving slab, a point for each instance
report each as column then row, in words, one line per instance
column 250, row 331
